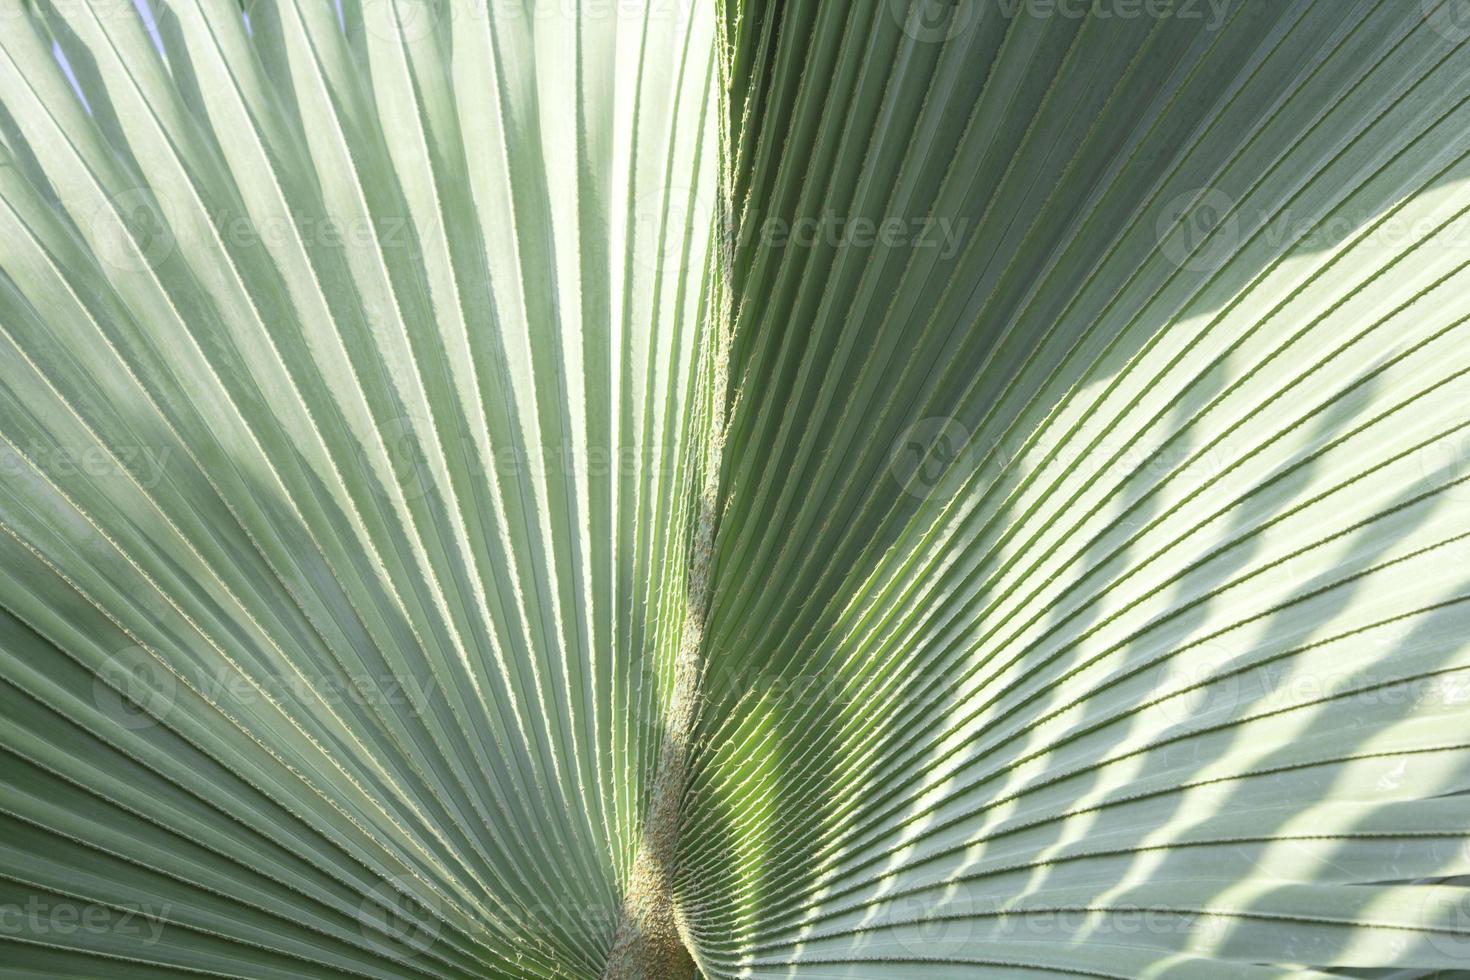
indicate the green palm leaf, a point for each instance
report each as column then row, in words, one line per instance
column 784, row 489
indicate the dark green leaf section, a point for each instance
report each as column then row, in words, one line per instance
column 1090, row 593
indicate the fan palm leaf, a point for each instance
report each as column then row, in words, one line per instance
column 895, row 488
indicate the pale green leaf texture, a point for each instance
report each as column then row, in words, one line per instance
column 1041, row 426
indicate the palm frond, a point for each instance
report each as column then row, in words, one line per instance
column 798, row 489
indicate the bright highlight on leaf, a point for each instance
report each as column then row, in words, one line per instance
column 778, row 488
